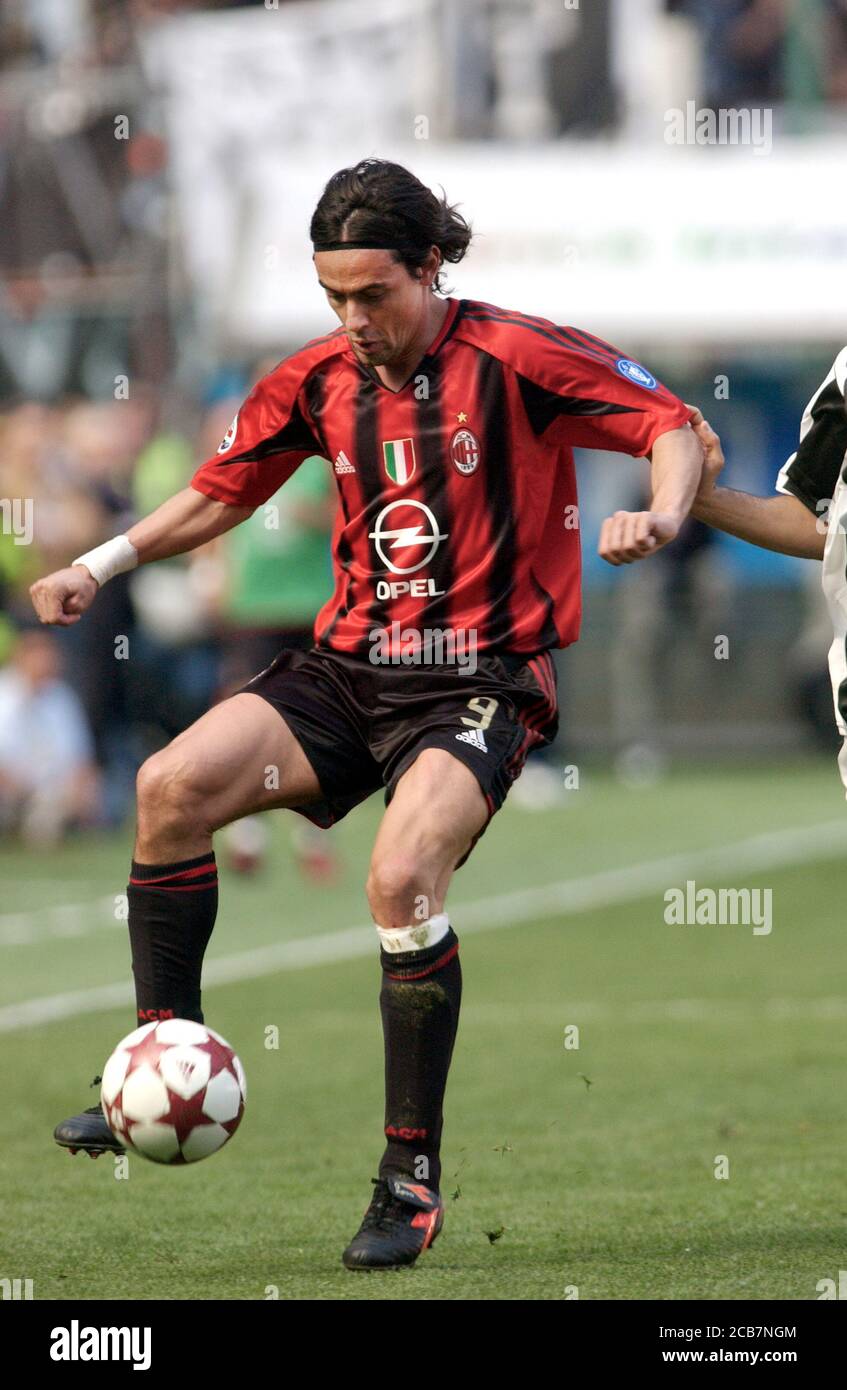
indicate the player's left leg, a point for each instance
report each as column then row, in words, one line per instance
column 437, row 810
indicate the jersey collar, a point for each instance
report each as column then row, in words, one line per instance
column 450, row 320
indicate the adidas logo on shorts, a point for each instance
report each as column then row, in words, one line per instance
column 475, row 739
column 343, row 464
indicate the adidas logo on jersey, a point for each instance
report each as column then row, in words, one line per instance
column 343, row 464
column 475, row 739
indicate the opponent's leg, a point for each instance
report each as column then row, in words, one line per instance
column 436, row 811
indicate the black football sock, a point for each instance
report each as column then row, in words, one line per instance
column 419, row 1002
column 172, row 909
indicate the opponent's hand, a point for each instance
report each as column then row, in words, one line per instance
column 713, row 459
column 61, row 598
column 629, row 536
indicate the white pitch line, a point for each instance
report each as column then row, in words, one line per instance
column 56, row 920
column 772, row 849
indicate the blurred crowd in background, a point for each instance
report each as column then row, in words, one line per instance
column 770, row 50
column 159, row 646
column 110, row 396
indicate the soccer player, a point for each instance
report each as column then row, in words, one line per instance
column 807, row 517
column 450, row 425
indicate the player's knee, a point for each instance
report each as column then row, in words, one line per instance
column 399, row 890
column 169, row 791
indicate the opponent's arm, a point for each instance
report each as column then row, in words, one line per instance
column 676, row 461
column 780, row 522
column 184, row 522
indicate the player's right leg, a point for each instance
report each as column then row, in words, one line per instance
column 240, row 757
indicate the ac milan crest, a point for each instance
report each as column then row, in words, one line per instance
column 464, row 451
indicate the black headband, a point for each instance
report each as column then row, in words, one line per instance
column 366, row 244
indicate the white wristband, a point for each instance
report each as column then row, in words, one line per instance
column 111, row 558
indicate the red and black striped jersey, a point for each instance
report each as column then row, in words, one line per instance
column 458, row 503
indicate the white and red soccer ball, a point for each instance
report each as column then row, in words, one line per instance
column 173, row 1091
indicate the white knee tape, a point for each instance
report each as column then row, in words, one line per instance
column 416, row 938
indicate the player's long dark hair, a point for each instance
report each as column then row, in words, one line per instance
column 376, row 198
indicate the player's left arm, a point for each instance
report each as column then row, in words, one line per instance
column 608, row 401
column 676, row 462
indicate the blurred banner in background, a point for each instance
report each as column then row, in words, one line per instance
column 638, row 236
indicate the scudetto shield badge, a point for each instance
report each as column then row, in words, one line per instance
column 464, row 451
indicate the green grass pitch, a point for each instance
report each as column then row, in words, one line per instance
column 589, row 1169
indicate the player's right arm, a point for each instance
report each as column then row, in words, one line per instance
column 182, row 523
column 267, row 441
column 782, row 522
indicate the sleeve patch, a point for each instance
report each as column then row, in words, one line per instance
column 634, row 372
column 229, row 438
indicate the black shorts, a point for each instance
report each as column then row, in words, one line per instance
column 362, row 726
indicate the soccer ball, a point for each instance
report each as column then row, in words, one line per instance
column 173, row 1091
